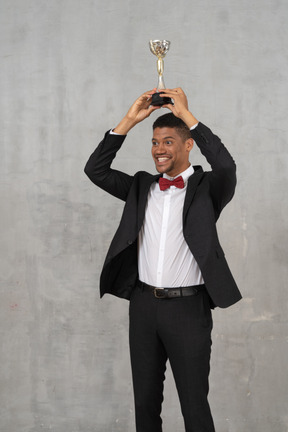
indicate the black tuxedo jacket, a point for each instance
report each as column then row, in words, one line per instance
column 206, row 195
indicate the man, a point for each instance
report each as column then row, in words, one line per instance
column 166, row 257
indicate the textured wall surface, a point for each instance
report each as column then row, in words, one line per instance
column 69, row 71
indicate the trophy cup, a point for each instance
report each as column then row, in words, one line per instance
column 160, row 48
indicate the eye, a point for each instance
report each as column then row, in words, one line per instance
column 168, row 142
column 154, row 143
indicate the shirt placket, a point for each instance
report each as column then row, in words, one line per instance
column 163, row 236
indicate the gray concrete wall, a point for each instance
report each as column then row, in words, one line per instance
column 69, row 71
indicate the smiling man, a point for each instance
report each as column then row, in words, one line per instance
column 171, row 145
column 166, row 257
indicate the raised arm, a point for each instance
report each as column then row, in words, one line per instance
column 98, row 167
column 223, row 175
column 138, row 112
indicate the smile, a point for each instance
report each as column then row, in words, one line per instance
column 162, row 159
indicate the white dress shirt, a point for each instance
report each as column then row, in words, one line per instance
column 164, row 258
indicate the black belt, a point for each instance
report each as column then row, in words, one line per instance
column 162, row 293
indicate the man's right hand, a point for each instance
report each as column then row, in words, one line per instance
column 138, row 112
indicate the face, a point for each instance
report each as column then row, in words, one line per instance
column 170, row 152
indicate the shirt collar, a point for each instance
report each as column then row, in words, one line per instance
column 185, row 174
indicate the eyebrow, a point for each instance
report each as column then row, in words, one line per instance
column 154, row 139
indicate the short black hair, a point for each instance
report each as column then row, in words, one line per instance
column 170, row 120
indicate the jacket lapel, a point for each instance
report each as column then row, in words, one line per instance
column 144, row 188
column 191, row 188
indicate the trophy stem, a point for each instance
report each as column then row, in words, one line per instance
column 160, row 66
column 160, row 69
column 161, row 85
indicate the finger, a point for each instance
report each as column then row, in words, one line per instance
column 174, row 91
column 178, row 90
column 167, row 91
column 146, row 96
column 149, row 93
column 171, row 94
column 169, row 106
column 152, row 108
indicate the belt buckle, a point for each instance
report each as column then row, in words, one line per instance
column 157, row 291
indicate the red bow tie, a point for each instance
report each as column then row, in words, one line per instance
column 165, row 183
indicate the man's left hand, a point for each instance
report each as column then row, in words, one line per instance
column 180, row 107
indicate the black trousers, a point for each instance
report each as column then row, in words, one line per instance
column 178, row 329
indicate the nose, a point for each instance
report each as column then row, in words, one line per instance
column 160, row 148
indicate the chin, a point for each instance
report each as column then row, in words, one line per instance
column 162, row 170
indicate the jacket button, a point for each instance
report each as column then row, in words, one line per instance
column 130, row 242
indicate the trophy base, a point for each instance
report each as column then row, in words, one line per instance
column 157, row 100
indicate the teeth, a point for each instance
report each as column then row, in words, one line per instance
column 162, row 159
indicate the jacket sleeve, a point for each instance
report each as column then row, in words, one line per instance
column 99, row 171
column 222, row 178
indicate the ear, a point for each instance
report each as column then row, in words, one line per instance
column 189, row 144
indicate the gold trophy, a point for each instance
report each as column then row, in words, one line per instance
column 160, row 48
